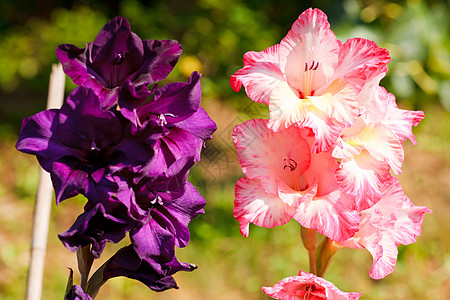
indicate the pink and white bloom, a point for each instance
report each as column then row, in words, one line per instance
column 374, row 144
column 286, row 179
column 311, row 79
column 394, row 220
column 307, row 286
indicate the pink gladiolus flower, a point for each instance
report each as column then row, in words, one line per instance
column 392, row 221
column 373, row 145
column 285, row 180
column 311, row 79
column 307, row 286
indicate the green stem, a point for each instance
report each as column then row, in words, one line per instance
column 326, row 251
column 309, row 241
column 96, row 281
column 85, row 260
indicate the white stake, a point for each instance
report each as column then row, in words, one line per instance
column 44, row 198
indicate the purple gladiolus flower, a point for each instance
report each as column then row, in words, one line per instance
column 81, row 143
column 156, row 210
column 118, row 55
column 165, row 202
column 176, row 107
column 96, row 227
column 168, row 224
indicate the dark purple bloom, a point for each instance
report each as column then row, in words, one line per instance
column 97, row 227
column 167, row 227
column 156, row 209
column 156, row 275
column 165, row 202
column 77, row 293
column 172, row 103
column 176, row 107
column 118, row 55
column 81, row 143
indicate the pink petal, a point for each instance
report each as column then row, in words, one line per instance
column 309, row 41
column 338, row 102
column 286, row 108
column 384, row 264
column 408, row 217
column 294, row 197
column 325, row 129
column 362, row 177
column 254, row 205
column 372, row 98
column 400, row 121
column 358, row 58
column 392, row 221
column 343, row 150
column 330, row 215
column 383, row 145
column 261, row 152
column 409, row 223
column 260, row 74
column 321, row 173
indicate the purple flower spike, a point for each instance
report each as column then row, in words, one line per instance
column 157, row 276
column 118, row 55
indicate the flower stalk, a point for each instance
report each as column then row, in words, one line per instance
column 85, row 260
column 326, row 251
column 309, row 241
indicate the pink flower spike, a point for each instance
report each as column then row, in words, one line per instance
column 307, row 286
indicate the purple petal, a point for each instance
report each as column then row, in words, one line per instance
column 83, row 121
column 199, row 124
column 180, row 143
column 182, row 210
column 67, row 181
column 77, row 293
column 160, row 57
column 153, row 241
column 127, row 263
column 36, row 137
column 116, row 53
column 130, row 98
column 73, row 60
column 176, row 101
column 95, row 227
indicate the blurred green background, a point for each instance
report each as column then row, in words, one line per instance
column 215, row 34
